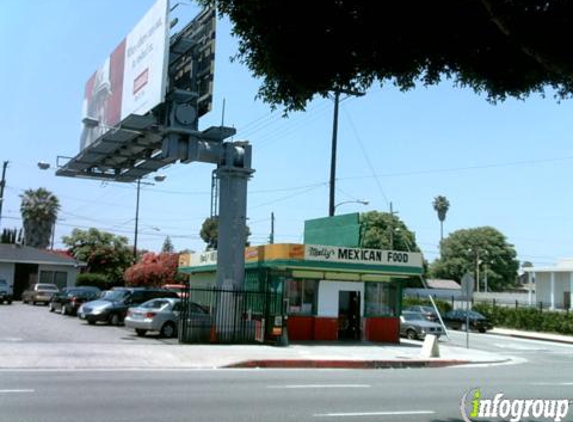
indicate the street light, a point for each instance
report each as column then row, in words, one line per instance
column 356, row 201
column 157, row 178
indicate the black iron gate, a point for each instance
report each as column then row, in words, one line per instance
column 229, row 316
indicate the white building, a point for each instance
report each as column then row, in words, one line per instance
column 553, row 285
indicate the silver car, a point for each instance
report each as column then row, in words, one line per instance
column 415, row 326
column 160, row 315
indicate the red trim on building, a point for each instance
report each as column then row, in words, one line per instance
column 382, row 329
column 325, row 329
column 300, row 327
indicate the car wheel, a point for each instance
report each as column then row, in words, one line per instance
column 114, row 319
column 91, row 322
column 63, row 310
column 411, row 334
column 140, row 332
column 33, row 303
column 168, row 330
column 9, row 302
column 482, row 330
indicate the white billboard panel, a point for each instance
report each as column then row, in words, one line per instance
column 133, row 78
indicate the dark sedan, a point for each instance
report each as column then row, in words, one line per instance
column 457, row 320
column 68, row 301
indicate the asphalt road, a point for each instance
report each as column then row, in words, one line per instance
column 539, row 370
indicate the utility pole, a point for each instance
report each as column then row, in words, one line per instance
column 391, row 227
column 136, row 220
column 333, row 153
column 272, row 236
column 2, row 185
column 337, row 93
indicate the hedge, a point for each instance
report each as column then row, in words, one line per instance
column 94, row 279
column 529, row 319
column 442, row 305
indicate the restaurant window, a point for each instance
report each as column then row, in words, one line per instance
column 380, row 299
column 301, row 296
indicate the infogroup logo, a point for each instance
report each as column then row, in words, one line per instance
column 474, row 407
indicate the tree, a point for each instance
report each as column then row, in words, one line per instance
column 501, row 48
column 482, row 248
column 154, row 270
column 382, row 230
column 104, row 253
column 167, row 246
column 441, row 206
column 39, row 209
column 210, row 232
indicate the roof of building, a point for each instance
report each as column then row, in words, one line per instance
column 27, row 255
column 443, row 284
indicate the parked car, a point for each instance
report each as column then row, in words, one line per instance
column 39, row 293
column 414, row 325
column 427, row 311
column 161, row 315
column 68, row 300
column 181, row 289
column 6, row 292
column 112, row 305
column 457, row 320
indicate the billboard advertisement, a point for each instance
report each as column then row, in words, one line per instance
column 132, row 80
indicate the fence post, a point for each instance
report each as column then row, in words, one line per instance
column 516, row 304
column 541, row 306
column 453, row 303
column 493, row 302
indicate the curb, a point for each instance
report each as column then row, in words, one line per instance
column 529, row 337
column 347, row 364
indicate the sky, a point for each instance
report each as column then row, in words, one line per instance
column 506, row 165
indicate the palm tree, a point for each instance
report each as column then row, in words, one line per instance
column 441, row 205
column 39, row 209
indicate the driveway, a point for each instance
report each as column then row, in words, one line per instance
column 35, row 324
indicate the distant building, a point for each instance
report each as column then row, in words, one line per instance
column 437, row 288
column 22, row 266
column 553, row 285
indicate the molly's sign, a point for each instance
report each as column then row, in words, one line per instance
column 362, row 256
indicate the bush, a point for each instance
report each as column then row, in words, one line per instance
column 94, row 279
column 443, row 306
column 529, row 319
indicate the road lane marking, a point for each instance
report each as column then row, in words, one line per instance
column 551, row 383
column 394, row 413
column 16, row 391
column 302, row 386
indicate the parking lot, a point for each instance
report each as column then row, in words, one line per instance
column 35, row 324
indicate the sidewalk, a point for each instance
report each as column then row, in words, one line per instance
column 68, row 356
column 532, row 335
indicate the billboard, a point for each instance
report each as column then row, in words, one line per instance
column 132, row 80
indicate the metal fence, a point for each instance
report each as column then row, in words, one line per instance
column 459, row 302
column 229, row 316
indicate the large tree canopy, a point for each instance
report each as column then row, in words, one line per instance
column 382, row 230
column 104, row 253
column 499, row 47
column 483, row 248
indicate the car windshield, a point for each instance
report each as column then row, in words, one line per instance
column 114, row 295
column 48, row 287
column 154, row 304
column 413, row 316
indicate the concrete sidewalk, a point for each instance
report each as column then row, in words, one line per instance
column 532, row 335
column 65, row 356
